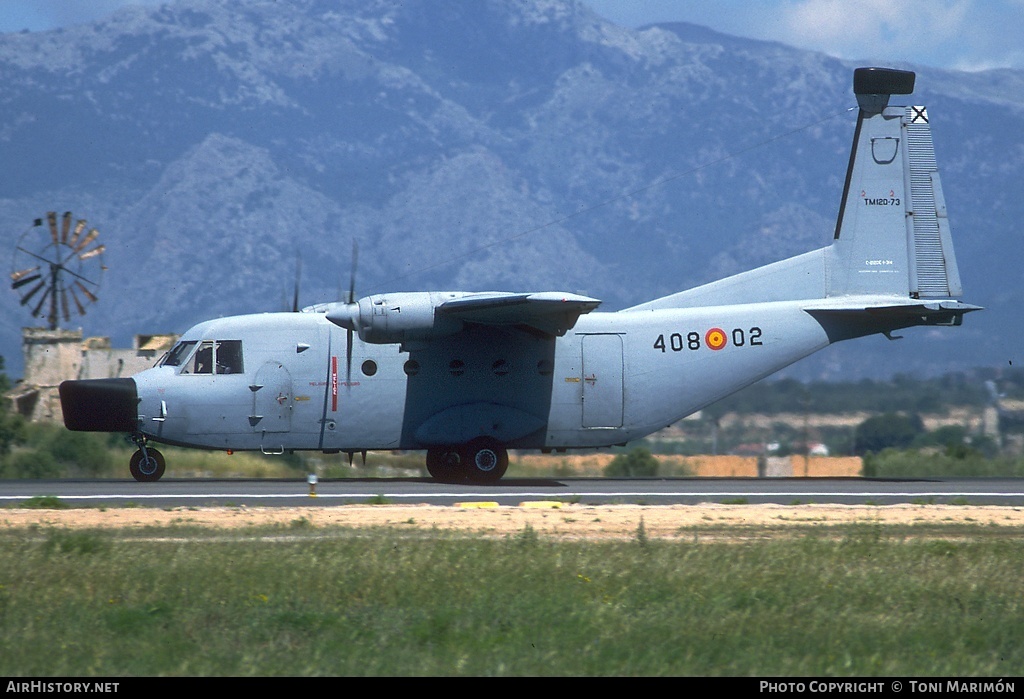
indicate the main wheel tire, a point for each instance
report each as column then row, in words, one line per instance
column 445, row 464
column 486, row 460
column 147, row 467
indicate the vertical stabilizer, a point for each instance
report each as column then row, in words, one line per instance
column 892, row 235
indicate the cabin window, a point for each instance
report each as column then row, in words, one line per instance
column 216, row 356
column 412, row 367
column 369, row 367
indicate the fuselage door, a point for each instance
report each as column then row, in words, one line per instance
column 272, row 399
column 602, row 381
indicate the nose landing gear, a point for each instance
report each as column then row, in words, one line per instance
column 147, row 464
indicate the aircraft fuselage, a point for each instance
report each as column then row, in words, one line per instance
column 613, row 378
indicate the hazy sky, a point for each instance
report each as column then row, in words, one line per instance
column 960, row 34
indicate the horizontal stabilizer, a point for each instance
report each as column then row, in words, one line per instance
column 945, row 312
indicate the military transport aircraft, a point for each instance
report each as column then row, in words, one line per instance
column 466, row 376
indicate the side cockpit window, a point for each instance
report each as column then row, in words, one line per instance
column 229, row 357
column 216, row 357
column 178, row 353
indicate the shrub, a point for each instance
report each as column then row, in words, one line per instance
column 30, row 463
column 638, row 462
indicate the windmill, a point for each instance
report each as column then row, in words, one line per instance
column 57, row 268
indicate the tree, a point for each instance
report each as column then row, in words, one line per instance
column 11, row 424
column 889, row 430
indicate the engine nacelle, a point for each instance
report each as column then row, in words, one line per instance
column 397, row 317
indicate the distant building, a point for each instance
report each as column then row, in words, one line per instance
column 52, row 356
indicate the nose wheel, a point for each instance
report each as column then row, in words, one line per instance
column 147, row 464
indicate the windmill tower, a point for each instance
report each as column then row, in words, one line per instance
column 56, row 271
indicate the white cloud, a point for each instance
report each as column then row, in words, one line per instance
column 855, row 28
column 962, row 34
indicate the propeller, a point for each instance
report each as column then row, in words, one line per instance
column 298, row 278
column 346, row 314
column 350, row 301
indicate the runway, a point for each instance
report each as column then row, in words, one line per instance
column 599, row 491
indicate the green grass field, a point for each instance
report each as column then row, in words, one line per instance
column 301, row 600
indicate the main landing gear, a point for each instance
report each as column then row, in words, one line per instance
column 147, row 464
column 483, row 460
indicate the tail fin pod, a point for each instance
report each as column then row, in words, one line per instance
column 892, row 235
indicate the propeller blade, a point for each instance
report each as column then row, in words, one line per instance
column 352, row 277
column 351, row 299
column 65, row 227
column 298, row 278
column 64, row 305
column 348, row 362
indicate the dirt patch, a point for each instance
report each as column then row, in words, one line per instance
column 546, row 519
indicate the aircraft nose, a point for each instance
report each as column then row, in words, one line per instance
column 100, row 405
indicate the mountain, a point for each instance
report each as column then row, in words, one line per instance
column 492, row 145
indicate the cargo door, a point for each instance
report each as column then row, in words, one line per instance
column 602, row 381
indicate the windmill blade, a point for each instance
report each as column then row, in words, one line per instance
column 79, row 227
column 35, row 290
column 78, row 304
column 51, row 218
column 64, row 305
column 89, row 237
column 98, row 250
column 88, row 294
column 24, row 276
column 65, row 228
column 42, row 301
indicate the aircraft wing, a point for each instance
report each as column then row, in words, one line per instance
column 550, row 312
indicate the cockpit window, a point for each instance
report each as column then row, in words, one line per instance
column 178, row 353
column 216, row 356
column 229, row 357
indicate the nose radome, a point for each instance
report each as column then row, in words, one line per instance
column 100, row 405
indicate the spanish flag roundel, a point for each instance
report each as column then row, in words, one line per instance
column 715, row 338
